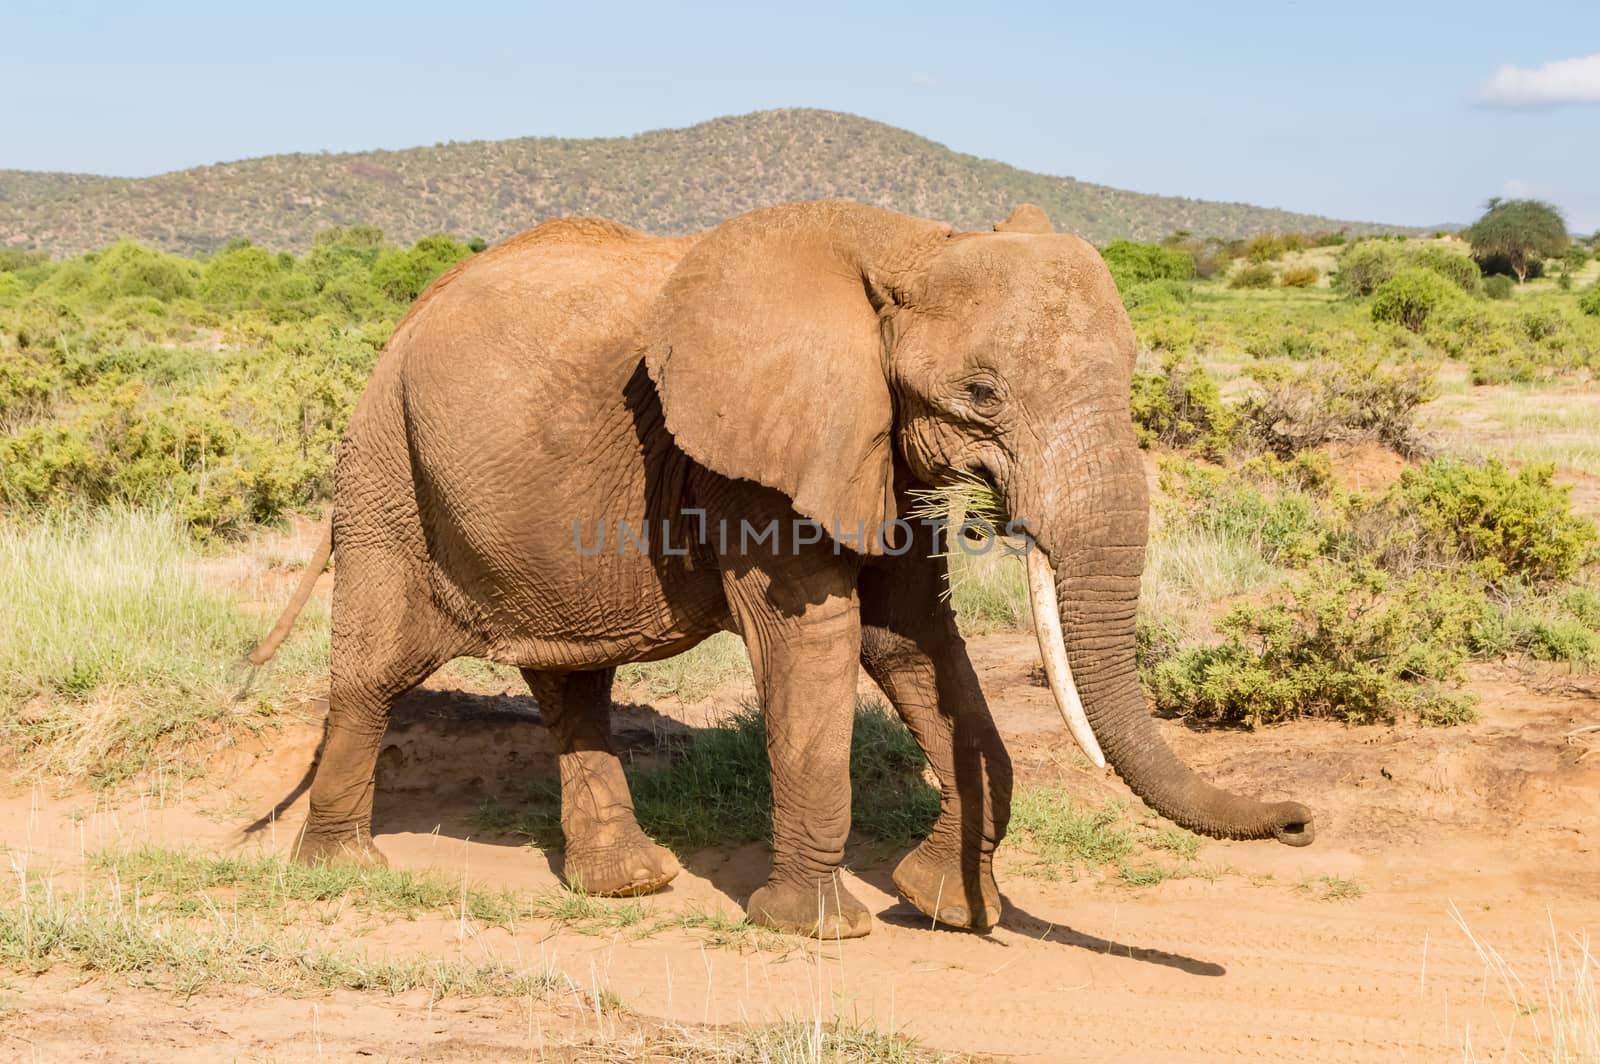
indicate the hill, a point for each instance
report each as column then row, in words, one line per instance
column 666, row 181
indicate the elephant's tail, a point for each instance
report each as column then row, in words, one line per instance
column 280, row 631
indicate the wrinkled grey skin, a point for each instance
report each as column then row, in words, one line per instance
column 816, row 360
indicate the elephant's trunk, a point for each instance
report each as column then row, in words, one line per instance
column 1097, row 557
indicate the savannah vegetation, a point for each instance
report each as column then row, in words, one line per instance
column 164, row 417
column 159, row 412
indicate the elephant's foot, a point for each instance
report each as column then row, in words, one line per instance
column 623, row 866
column 932, row 881
column 818, row 908
column 352, row 846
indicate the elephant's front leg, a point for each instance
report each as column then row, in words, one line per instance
column 913, row 651
column 798, row 616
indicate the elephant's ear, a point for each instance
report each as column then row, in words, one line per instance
column 766, row 348
column 1026, row 219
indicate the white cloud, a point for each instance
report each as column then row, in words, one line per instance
column 1561, row 81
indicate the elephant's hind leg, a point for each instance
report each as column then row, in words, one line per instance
column 607, row 852
column 387, row 638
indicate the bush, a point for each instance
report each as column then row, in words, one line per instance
column 1364, row 266
column 1354, row 397
column 1158, row 295
column 1181, row 407
column 1498, row 286
column 1339, row 645
column 404, row 275
column 1299, row 277
column 1132, row 263
column 123, row 269
column 239, row 276
column 1272, row 246
column 1589, row 302
column 1410, row 296
column 1456, row 268
column 1276, row 519
column 1252, row 277
column 1505, row 525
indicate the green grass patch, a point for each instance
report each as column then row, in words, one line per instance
column 114, row 651
column 105, row 927
column 697, row 672
column 1065, row 836
column 713, row 787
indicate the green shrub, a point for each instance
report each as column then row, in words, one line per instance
column 1257, row 276
column 1131, row 263
column 1272, row 246
column 28, row 385
column 240, row 276
column 1589, row 302
column 1343, row 644
column 1299, row 277
column 1158, row 295
column 1364, row 266
column 1278, row 520
column 123, row 269
column 1453, row 266
column 1410, row 296
column 403, row 275
column 1498, row 286
column 1541, row 323
column 1181, row 407
column 1504, row 524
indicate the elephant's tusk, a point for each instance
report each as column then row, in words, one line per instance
column 1053, row 649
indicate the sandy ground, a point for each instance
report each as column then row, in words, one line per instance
column 1498, row 822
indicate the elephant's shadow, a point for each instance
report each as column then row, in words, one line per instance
column 483, row 767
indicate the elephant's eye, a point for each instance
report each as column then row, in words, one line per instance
column 980, row 395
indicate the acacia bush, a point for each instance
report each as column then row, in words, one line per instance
column 1299, row 277
column 1271, row 246
column 1498, row 286
column 1410, row 296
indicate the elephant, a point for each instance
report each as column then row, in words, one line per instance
column 797, row 368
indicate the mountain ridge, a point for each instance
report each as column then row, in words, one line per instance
column 665, row 181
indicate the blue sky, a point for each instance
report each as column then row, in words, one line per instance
column 1398, row 112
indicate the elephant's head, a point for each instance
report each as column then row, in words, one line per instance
column 804, row 346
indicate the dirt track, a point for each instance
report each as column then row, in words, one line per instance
column 1500, row 820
